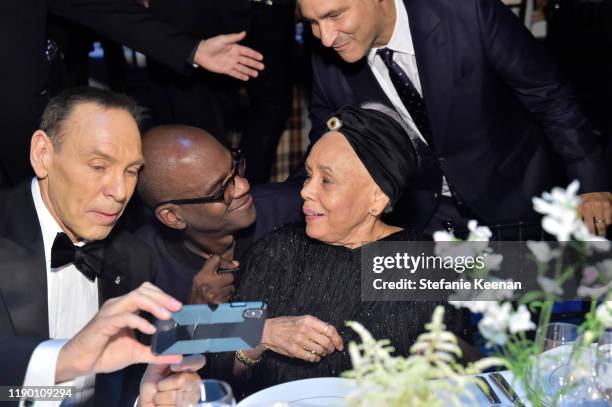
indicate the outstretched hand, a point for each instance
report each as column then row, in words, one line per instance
column 222, row 54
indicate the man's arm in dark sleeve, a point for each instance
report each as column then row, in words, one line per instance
column 537, row 82
column 129, row 23
column 15, row 352
column 320, row 108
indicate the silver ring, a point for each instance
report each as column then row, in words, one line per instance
column 326, row 328
column 600, row 221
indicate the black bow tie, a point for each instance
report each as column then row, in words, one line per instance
column 87, row 259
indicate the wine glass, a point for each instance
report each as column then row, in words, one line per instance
column 205, row 393
column 582, row 388
column 549, row 369
column 559, row 334
column 603, row 365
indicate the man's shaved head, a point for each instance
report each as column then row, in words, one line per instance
column 174, row 156
column 183, row 162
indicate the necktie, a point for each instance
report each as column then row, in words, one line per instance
column 87, row 259
column 408, row 94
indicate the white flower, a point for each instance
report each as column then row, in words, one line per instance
column 605, row 267
column 494, row 324
column 542, row 251
column 478, row 233
column 493, row 261
column 594, row 292
column 562, row 226
column 590, row 275
column 559, row 199
column 594, row 279
column 477, row 307
column 549, row 286
column 444, row 236
column 456, row 250
column 498, row 319
column 604, row 314
column 592, row 242
column 599, row 244
column 520, row 320
column 561, row 217
column 560, row 210
column 445, row 242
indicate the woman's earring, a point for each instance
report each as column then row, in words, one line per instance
column 373, row 212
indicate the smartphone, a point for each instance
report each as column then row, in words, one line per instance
column 232, row 270
column 210, row 328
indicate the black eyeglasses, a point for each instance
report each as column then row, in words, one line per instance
column 225, row 193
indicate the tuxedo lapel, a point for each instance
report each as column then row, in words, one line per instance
column 127, row 264
column 23, row 277
column 117, row 279
column 435, row 64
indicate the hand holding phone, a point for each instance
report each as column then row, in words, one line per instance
column 210, row 328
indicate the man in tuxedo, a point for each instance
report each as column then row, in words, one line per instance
column 206, row 212
column 497, row 124
column 25, row 72
column 58, row 258
column 107, row 343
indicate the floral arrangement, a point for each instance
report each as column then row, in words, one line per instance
column 418, row 380
column 387, row 380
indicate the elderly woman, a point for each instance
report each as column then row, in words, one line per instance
column 310, row 277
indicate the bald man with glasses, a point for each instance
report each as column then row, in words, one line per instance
column 205, row 211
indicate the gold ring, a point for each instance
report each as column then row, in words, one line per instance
column 600, row 221
column 309, row 352
column 326, row 328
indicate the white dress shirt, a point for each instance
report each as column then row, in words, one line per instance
column 72, row 302
column 404, row 55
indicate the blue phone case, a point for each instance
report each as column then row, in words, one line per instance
column 210, row 328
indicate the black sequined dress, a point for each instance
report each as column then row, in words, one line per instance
column 296, row 275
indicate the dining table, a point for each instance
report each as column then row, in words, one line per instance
column 333, row 391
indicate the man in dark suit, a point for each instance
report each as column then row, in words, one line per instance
column 497, row 123
column 58, row 258
column 25, row 72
